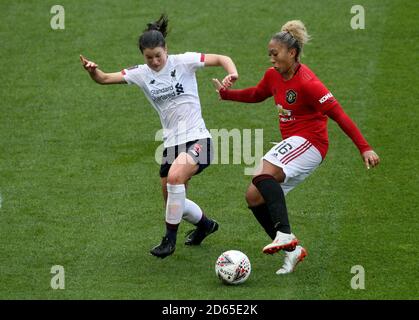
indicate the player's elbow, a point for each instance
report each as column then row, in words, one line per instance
column 111, row 78
column 98, row 80
column 256, row 97
column 105, row 79
column 225, row 60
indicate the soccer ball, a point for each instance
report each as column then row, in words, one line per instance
column 233, row 267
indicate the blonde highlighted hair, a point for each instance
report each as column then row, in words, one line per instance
column 294, row 35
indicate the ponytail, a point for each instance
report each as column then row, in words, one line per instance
column 294, row 35
column 159, row 25
column 154, row 35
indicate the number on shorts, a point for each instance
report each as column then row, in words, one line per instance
column 283, row 148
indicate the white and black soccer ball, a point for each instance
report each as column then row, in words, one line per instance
column 233, row 267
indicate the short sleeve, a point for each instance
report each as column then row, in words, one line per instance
column 192, row 60
column 132, row 75
column 320, row 98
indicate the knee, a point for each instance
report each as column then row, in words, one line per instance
column 249, row 198
column 175, row 178
column 253, row 197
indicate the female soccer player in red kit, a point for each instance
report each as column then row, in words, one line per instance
column 304, row 105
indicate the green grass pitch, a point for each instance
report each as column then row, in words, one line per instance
column 79, row 185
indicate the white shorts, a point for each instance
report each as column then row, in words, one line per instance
column 297, row 157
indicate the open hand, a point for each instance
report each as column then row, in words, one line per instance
column 218, row 86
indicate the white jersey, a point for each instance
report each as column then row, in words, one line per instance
column 173, row 92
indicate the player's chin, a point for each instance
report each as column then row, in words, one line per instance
column 156, row 68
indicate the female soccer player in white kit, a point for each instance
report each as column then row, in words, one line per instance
column 169, row 83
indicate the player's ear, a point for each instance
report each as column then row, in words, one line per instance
column 292, row 52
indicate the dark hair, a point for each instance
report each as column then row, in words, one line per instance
column 154, row 35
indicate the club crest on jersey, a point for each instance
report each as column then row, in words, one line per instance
column 291, row 96
column 179, row 88
column 196, row 149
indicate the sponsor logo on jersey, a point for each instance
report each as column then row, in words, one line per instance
column 173, row 73
column 284, row 114
column 325, row 98
column 282, row 111
column 163, row 94
column 163, row 90
column 166, row 93
column 287, row 119
column 291, row 96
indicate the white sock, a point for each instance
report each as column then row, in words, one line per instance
column 192, row 212
column 175, row 203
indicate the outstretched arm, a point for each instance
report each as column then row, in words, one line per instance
column 324, row 102
column 212, row 60
column 370, row 158
column 99, row 76
column 255, row 94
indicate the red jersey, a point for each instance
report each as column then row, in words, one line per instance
column 304, row 104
